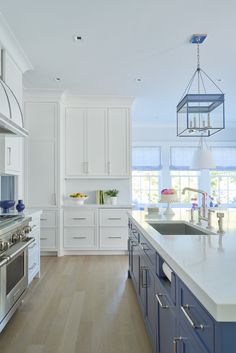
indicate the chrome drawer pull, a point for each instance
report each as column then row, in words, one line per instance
column 79, row 218
column 114, row 237
column 33, row 266
column 142, row 247
column 33, row 226
column 163, row 306
column 114, row 218
column 79, row 237
column 43, row 219
column 175, row 342
column 43, row 238
column 184, row 309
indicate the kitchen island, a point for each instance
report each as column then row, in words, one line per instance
column 201, row 293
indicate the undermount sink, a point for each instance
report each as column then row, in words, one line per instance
column 177, row 228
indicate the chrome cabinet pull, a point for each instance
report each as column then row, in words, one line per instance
column 43, row 238
column 43, row 219
column 79, row 218
column 163, row 306
column 142, row 247
column 114, row 237
column 184, row 309
column 77, row 237
column 142, row 269
column 114, row 218
column 175, row 343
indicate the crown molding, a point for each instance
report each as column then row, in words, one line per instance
column 45, row 95
column 76, row 100
column 9, row 42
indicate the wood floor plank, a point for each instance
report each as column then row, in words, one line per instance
column 81, row 304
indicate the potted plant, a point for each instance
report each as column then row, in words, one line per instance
column 113, row 195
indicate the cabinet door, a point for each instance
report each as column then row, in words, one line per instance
column 96, row 161
column 166, row 323
column 41, row 189
column 10, row 158
column 118, row 142
column 75, row 142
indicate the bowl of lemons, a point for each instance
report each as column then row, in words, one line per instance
column 79, row 197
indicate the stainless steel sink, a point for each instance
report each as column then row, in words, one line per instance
column 177, row 228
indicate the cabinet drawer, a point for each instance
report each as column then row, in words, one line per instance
column 48, row 219
column 113, row 218
column 79, row 238
column 48, row 239
column 114, row 238
column 195, row 317
column 79, row 218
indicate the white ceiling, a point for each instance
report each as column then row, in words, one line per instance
column 123, row 40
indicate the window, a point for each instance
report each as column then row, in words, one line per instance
column 145, row 187
column 146, row 163
column 184, row 178
column 223, row 179
column 181, row 175
column 223, row 186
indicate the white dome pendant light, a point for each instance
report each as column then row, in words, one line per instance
column 202, row 157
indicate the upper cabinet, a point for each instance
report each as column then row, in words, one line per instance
column 41, row 154
column 97, row 142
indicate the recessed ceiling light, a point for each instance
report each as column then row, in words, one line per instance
column 138, row 79
column 77, row 38
column 57, row 79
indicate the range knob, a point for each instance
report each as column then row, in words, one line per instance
column 4, row 245
column 15, row 238
column 27, row 229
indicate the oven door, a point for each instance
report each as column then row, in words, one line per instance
column 13, row 281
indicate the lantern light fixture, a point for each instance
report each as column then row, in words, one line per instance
column 200, row 114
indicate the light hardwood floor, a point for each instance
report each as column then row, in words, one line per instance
column 81, row 304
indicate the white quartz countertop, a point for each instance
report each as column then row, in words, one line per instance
column 91, row 205
column 205, row 263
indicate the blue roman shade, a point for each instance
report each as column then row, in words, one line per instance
column 146, row 158
column 181, row 157
column 224, row 157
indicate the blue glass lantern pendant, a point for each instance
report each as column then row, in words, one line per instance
column 200, row 114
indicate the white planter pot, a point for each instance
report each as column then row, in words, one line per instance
column 114, row 200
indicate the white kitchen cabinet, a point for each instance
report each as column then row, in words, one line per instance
column 10, row 155
column 95, row 229
column 113, row 229
column 42, row 167
column 75, row 131
column 97, row 142
column 118, row 142
column 96, row 158
column 41, row 154
column 80, row 229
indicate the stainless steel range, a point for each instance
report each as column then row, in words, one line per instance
column 14, row 242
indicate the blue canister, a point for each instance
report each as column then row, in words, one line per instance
column 20, row 206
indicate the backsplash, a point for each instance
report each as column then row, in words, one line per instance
column 90, row 186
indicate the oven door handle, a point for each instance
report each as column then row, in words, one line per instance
column 22, row 248
column 3, row 261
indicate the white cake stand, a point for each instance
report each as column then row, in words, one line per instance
column 172, row 199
